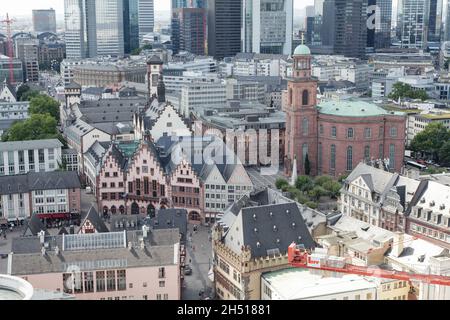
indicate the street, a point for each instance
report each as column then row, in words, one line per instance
column 199, row 257
column 262, row 181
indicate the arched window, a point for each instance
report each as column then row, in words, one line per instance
column 305, row 126
column 333, row 158
column 367, row 153
column 304, row 151
column 350, row 133
column 290, row 96
column 305, row 98
column 392, row 156
column 319, row 158
column 349, row 158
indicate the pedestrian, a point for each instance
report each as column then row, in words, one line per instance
column 193, row 248
column 190, row 261
column 4, row 235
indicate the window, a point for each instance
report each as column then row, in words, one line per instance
column 357, row 297
column 162, row 284
column 305, row 126
column 367, row 133
column 369, row 296
column 333, row 158
column 333, row 132
column 393, row 132
column 321, row 129
column 350, row 133
column 162, row 273
column 121, row 280
column 305, row 98
column 111, row 280
column 367, row 152
column 88, row 282
column 380, row 151
column 349, row 158
column 392, row 156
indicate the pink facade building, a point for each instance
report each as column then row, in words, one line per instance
column 336, row 135
column 102, row 266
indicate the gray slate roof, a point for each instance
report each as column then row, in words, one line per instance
column 39, row 181
column 270, row 227
column 27, row 257
column 30, row 145
column 34, row 226
column 170, row 219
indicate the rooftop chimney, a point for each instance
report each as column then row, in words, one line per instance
column 397, row 246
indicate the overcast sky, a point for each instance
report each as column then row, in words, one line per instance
column 24, row 7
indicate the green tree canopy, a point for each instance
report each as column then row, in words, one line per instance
column 43, row 104
column 444, row 154
column 280, row 183
column 38, row 126
column 304, row 183
column 431, row 140
column 404, row 90
column 22, row 89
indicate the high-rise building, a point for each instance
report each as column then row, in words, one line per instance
column 101, row 27
column 414, row 20
column 267, row 26
column 26, row 49
column 109, row 27
column 189, row 30
column 435, row 25
column 224, row 28
column 146, row 18
column 379, row 24
column 345, row 27
column 131, row 25
column 44, row 21
column 188, row 4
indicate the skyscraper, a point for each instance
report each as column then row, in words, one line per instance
column 102, row 27
column 379, row 27
column 146, row 17
column 189, row 30
column 44, row 21
column 224, row 28
column 131, row 25
column 413, row 23
column 345, row 27
column 76, row 26
column 267, row 26
column 109, row 27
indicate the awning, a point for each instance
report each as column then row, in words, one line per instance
column 53, row 215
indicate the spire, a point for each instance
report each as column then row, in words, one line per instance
column 294, row 172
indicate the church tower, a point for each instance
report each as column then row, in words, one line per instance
column 301, row 116
column 154, row 70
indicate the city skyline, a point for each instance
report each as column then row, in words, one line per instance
column 16, row 7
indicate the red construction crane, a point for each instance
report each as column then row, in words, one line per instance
column 8, row 23
column 299, row 257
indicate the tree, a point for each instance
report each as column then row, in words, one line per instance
column 280, row 183
column 38, row 126
column 22, row 89
column 333, row 188
column 304, row 183
column 311, row 204
column 317, row 192
column 307, row 165
column 322, row 180
column 28, row 95
column 42, row 104
column 431, row 139
column 444, row 154
column 403, row 90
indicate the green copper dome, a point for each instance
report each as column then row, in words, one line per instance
column 302, row 50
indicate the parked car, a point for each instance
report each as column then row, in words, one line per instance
column 430, row 162
column 187, row 270
column 421, row 161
